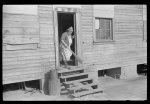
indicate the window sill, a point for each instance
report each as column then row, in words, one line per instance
column 103, row 42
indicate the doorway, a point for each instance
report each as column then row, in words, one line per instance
column 66, row 20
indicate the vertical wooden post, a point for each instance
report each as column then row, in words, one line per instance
column 56, row 37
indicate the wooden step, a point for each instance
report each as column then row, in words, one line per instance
column 65, row 70
column 64, row 92
column 69, row 83
column 62, row 87
column 82, row 86
column 75, row 75
column 77, row 81
column 83, row 93
column 70, row 73
column 77, row 67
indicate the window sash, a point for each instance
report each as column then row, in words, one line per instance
column 104, row 31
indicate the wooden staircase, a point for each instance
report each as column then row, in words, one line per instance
column 75, row 82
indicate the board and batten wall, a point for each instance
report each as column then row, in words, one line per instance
column 28, row 47
column 128, row 48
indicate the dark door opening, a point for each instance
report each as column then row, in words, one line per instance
column 66, row 20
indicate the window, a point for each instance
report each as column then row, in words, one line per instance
column 103, row 29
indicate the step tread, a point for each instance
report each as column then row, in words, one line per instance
column 82, row 86
column 64, row 70
column 74, row 75
column 86, row 92
column 64, row 91
column 75, row 81
column 62, row 87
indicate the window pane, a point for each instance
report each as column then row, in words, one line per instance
column 107, row 24
column 108, row 34
column 102, row 34
column 96, row 23
column 102, row 23
column 97, row 34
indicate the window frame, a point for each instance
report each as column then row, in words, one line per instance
column 95, row 41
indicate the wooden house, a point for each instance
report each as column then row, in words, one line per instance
column 107, row 37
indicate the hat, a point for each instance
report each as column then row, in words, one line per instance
column 70, row 29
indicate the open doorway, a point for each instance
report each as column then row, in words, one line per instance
column 66, row 20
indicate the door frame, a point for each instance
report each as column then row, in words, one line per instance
column 76, row 12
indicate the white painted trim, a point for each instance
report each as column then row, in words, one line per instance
column 56, row 33
column 79, row 37
column 94, row 33
column 56, row 39
column 68, row 6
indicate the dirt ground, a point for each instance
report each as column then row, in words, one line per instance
column 114, row 89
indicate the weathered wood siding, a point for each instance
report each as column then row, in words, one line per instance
column 145, row 21
column 104, row 11
column 28, row 47
column 86, row 34
column 129, row 33
column 47, row 35
column 129, row 49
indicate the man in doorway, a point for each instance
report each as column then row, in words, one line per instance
column 65, row 43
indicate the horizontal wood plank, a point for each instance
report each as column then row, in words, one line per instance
column 19, row 40
column 21, row 47
column 32, row 24
column 20, row 78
